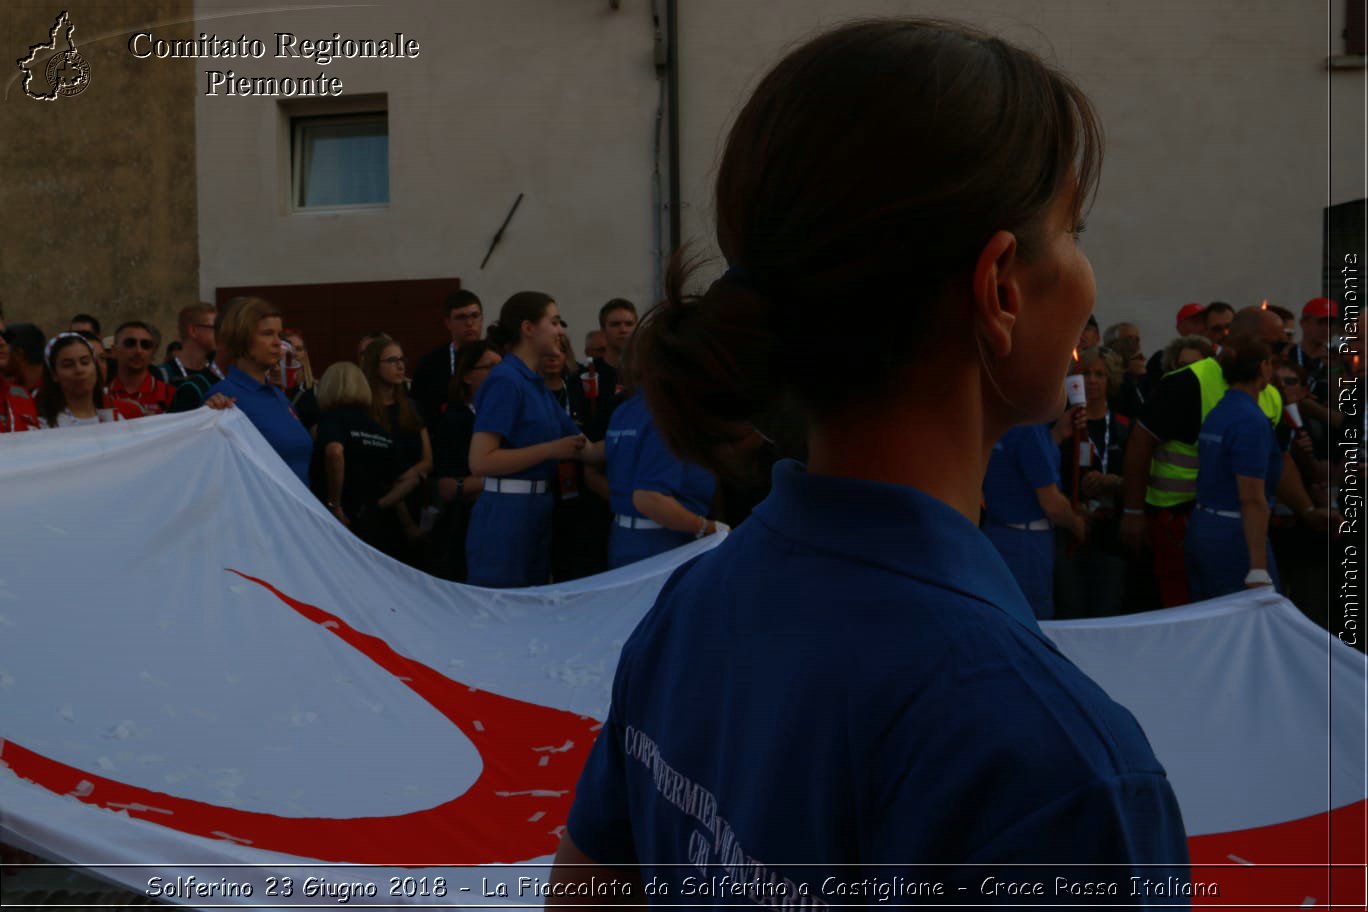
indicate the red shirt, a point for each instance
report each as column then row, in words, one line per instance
column 17, row 411
column 153, row 397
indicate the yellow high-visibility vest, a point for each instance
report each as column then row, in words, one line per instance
column 1173, row 470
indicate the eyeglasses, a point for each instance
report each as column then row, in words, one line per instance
column 466, row 318
column 400, row 359
column 144, row 344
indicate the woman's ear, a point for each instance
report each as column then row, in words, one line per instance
column 996, row 292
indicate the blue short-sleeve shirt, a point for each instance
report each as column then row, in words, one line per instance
column 638, row 460
column 817, row 691
column 514, row 403
column 1024, row 459
column 270, row 412
column 1236, row 439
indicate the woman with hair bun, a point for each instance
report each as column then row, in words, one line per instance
column 521, row 433
column 853, row 677
column 1239, row 464
column 659, row 502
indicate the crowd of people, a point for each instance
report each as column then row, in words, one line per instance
column 487, row 467
column 1193, row 474
column 506, row 461
column 1139, row 482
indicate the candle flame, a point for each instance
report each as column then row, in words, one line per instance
column 1264, row 305
column 1075, row 354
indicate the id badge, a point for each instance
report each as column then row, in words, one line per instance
column 1085, row 456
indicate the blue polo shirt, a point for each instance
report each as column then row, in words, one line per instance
column 270, row 412
column 638, row 460
column 1236, row 439
column 514, row 403
column 853, row 678
column 1024, row 459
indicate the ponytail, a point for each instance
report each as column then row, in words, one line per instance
column 706, row 363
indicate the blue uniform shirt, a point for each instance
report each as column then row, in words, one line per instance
column 514, row 403
column 269, row 411
column 816, row 690
column 1237, row 439
column 638, row 460
column 1026, row 458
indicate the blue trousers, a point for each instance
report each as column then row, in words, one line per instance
column 1030, row 557
column 1217, row 557
column 627, row 546
column 508, row 543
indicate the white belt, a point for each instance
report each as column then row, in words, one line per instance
column 1038, row 525
column 636, row 522
column 1228, row 514
column 514, row 486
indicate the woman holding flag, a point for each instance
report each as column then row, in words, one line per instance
column 853, row 678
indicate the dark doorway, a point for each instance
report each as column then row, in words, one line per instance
column 333, row 316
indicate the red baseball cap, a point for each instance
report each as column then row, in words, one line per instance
column 1320, row 307
column 1188, row 311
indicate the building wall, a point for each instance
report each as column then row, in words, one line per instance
column 1218, row 133
column 1226, row 138
column 555, row 99
column 98, row 189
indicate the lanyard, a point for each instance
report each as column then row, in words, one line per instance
column 452, row 349
column 1106, row 451
column 1106, row 441
column 185, row 372
column 564, row 391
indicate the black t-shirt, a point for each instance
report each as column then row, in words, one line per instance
column 190, row 389
column 1109, row 436
column 305, row 404
column 408, row 444
column 572, row 398
column 1174, row 411
column 431, row 378
column 609, row 398
column 370, row 459
column 1129, row 400
column 451, row 443
column 1316, row 373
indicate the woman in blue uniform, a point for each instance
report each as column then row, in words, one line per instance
column 853, row 678
column 658, row 500
column 1240, row 462
column 1023, row 505
column 521, row 433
